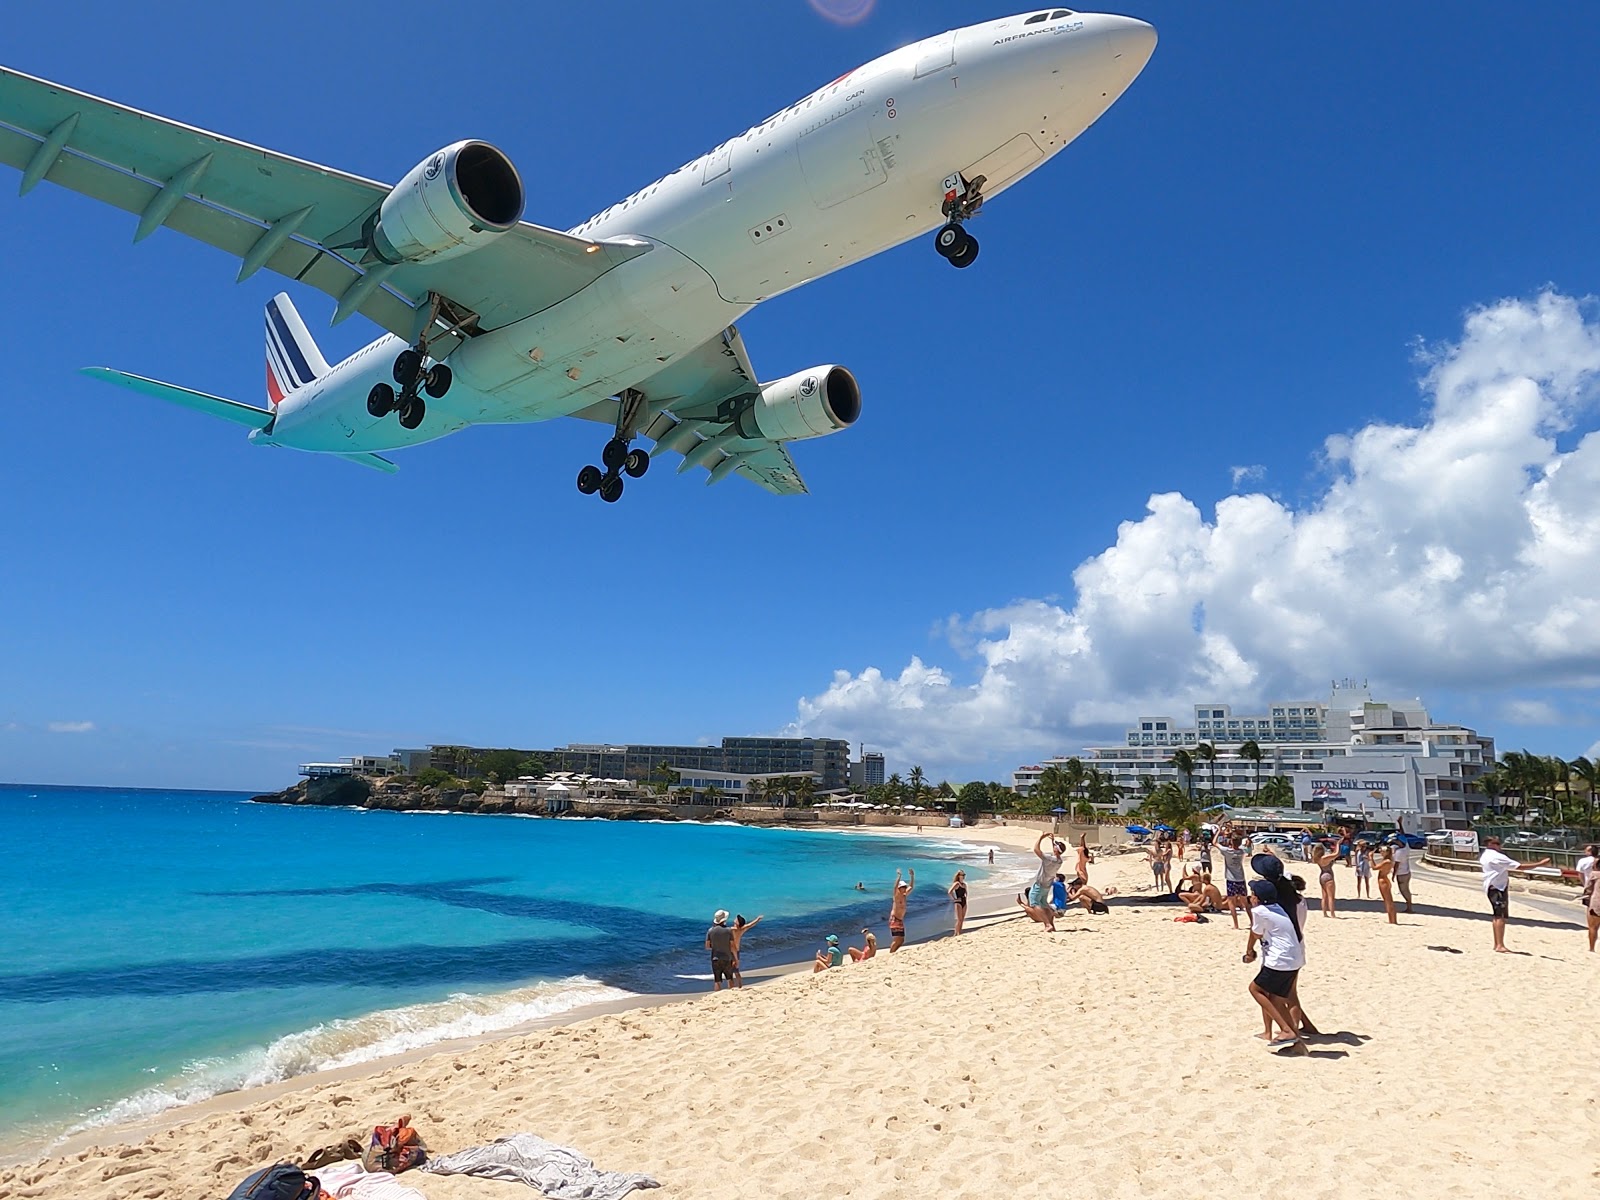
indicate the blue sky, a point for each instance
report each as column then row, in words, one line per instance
column 1094, row 477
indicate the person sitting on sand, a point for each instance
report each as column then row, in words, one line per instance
column 740, row 928
column 1092, row 899
column 829, row 956
column 1041, row 913
column 1206, row 898
column 1188, row 886
column 897, row 909
column 868, row 950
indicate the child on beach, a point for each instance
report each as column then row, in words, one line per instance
column 829, row 956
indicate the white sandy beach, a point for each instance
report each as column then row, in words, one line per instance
column 1111, row 1059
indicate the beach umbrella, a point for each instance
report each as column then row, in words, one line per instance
column 1218, row 808
column 1060, row 812
column 1164, row 828
column 1138, row 830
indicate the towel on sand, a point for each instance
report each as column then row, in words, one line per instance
column 557, row 1171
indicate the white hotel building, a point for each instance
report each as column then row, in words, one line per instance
column 1343, row 754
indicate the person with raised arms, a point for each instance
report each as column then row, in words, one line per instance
column 897, row 909
column 1497, row 866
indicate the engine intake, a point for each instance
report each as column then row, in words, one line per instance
column 451, row 203
column 807, row 404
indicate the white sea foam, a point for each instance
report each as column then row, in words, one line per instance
column 348, row 1041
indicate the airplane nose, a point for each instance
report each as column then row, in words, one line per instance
column 1132, row 41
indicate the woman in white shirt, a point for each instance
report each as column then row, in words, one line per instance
column 1282, row 955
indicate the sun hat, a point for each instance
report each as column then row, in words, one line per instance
column 1268, row 866
column 833, row 937
column 720, row 917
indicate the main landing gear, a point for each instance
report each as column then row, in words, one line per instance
column 412, row 376
column 962, row 200
column 617, row 456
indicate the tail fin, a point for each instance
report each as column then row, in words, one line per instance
column 293, row 359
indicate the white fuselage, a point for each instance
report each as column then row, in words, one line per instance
column 849, row 171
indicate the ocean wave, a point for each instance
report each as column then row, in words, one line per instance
column 348, row 1041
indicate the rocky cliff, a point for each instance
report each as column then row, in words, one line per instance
column 403, row 795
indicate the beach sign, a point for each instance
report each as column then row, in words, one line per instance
column 1464, row 840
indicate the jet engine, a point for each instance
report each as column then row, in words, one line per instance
column 451, row 203
column 808, row 404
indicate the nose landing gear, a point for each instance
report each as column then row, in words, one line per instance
column 618, row 457
column 962, row 200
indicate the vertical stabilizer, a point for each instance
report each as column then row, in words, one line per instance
column 293, row 359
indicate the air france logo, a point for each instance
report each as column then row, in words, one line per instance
column 808, row 385
column 435, row 165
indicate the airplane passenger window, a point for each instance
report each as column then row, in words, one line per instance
column 1036, row 18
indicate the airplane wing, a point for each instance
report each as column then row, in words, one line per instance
column 278, row 212
column 694, row 400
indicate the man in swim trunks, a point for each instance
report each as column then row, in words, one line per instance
column 719, row 940
column 1497, row 868
column 1092, row 899
column 1049, row 864
column 1232, row 852
column 897, row 909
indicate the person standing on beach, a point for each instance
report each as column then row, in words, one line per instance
column 1593, row 906
column 957, row 891
column 1049, row 865
column 1402, row 870
column 1586, row 872
column 1205, row 851
column 1233, row 877
column 740, row 928
column 719, row 940
column 1363, row 855
column 1497, row 867
column 897, row 909
column 1282, row 957
column 1385, row 883
column 1084, row 857
column 991, row 856
column 1325, row 857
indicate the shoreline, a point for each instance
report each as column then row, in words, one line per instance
column 987, row 902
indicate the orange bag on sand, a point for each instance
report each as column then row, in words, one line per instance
column 395, row 1148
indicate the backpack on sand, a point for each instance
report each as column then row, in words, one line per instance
column 281, row 1181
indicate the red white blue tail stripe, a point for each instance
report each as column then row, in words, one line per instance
column 293, row 359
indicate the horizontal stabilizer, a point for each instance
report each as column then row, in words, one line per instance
column 216, row 406
column 375, row 461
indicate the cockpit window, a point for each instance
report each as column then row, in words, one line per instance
column 1059, row 13
column 1036, row 18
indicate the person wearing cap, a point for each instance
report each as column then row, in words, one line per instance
column 830, row 955
column 1402, row 868
column 719, row 940
column 1049, row 864
column 897, row 908
column 1497, row 866
column 1282, row 956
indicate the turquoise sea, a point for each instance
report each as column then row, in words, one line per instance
column 161, row 947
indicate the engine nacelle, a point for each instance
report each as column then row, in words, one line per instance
column 808, row 404
column 453, row 202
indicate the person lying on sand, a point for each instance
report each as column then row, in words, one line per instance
column 1041, row 913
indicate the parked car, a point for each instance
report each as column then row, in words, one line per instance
column 1278, row 842
column 1413, row 841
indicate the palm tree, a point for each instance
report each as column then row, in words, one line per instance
column 1277, row 792
column 756, row 789
column 1251, row 752
column 1561, row 776
column 1492, row 783
column 1206, row 752
column 1052, row 790
column 896, row 787
column 1184, row 761
column 1589, row 772
column 918, row 783
column 805, row 788
column 1075, row 776
column 712, row 795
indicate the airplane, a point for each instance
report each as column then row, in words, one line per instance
column 628, row 319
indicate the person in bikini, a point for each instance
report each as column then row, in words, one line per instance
column 897, row 909
column 1385, row 867
column 1084, row 857
column 868, row 949
column 957, row 891
column 740, row 928
column 1324, row 857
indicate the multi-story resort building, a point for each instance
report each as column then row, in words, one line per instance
column 1348, row 753
column 866, row 772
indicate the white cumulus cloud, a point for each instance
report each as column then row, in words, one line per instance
column 70, row 727
column 1462, row 549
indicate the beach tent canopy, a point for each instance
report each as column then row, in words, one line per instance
column 558, row 787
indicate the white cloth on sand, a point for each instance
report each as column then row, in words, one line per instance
column 351, row 1181
column 557, row 1171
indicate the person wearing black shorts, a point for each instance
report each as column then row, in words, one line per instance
column 1497, row 867
column 719, row 940
column 1282, row 955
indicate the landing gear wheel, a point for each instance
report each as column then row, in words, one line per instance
column 411, row 412
column 967, row 254
column 407, row 368
column 611, row 489
column 380, row 400
column 637, row 463
column 949, row 239
column 615, row 454
column 437, row 380
column 589, row 480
